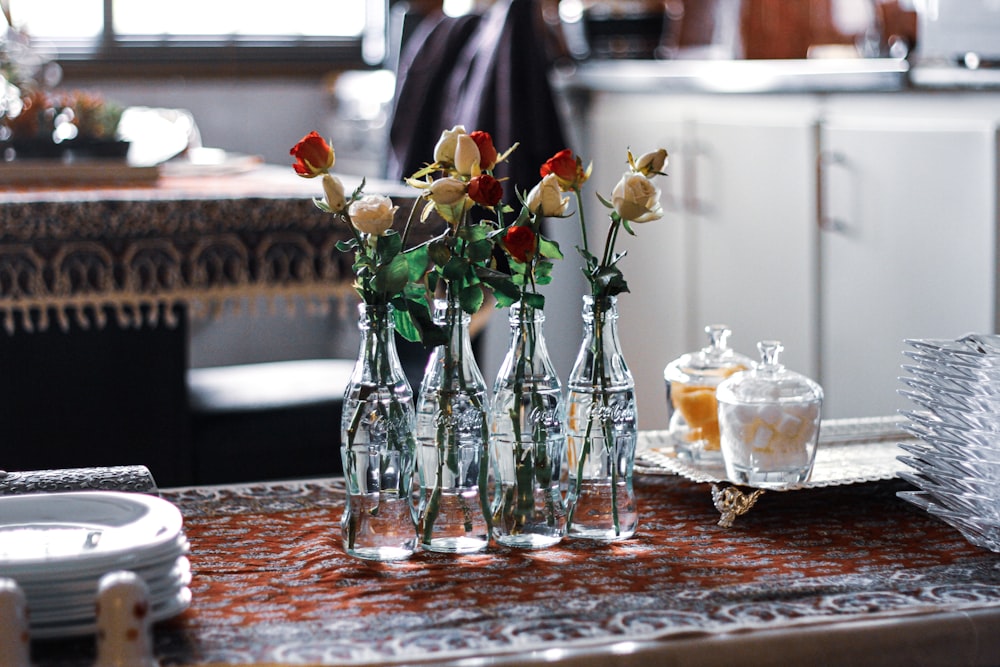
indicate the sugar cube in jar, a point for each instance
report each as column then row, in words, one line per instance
column 769, row 420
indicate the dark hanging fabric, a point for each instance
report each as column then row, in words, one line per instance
column 496, row 80
column 425, row 67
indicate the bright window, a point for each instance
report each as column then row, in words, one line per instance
column 84, row 19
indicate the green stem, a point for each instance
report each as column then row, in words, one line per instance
column 583, row 223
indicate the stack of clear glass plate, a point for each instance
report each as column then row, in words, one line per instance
column 955, row 460
column 57, row 546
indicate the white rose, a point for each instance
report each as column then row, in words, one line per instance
column 334, row 191
column 546, row 197
column 651, row 163
column 466, row 156
column 444, row 150
column 635, row 198
column 447, row 191
column 372, row 214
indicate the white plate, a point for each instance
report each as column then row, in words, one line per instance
column 80, row 608
column 64, row 593
column 162, row 611
column 45, row 534
column 57, row 546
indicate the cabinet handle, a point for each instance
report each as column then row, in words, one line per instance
column 824, row 164
column 695, row 154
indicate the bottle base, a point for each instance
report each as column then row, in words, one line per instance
column 455, row 545
column 528, row 541
column 600, row 534
column 380, row 553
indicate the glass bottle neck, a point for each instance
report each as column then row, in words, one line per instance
column 377, row 354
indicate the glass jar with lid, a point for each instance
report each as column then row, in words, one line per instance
column 691, row 381
column 769, row 419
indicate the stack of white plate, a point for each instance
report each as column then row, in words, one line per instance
column 57, row 546
column 956, row 460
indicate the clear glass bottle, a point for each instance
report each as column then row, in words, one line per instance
column 770, row 420
column 691, row 381
column 527, row 439
column 377, row 445
column 452, row 433
column 601, row 431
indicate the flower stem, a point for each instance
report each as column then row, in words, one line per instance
column 583, row 224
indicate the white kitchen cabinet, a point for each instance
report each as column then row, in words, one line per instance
column 754, row 248
column 738, row 243
column 908, row 197
column 653, row 316
column 840, row 224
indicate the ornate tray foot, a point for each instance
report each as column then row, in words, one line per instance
column 732, row 502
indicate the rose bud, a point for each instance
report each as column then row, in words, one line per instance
column 485, row 190
column 313, row 156
column 487, row 151
column 521, row 243
column 546, row 197
column 567, row 168
column 444, row 150
column 334, row 191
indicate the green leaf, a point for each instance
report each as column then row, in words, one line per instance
column 416, row 259
column 536, row 301
column 414, row 323
column 549, row 248
column 347, row 246
column 456, row 268
column 472, row 233
column 505, row 290
column 604, row 201
column 471, row 299
column 388, row 246
column 543, row 269
column 405, row 326
column 439, row 252
column 392, row 278
column 628, row 226
column 479, row 251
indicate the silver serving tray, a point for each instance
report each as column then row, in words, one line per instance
column 850, row 451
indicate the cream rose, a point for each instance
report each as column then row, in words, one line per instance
column 333, row 190
column 651, row 163
column 466, row 155
column 447, row 191
column 635, row 198
column 546, row 197
column 444, row 150
column 372, row 214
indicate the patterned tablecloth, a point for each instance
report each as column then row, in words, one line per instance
column 271, row 584
column 71, row 253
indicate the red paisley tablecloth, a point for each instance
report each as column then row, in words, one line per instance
column 271, row 584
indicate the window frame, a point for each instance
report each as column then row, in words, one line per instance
column 117, row 56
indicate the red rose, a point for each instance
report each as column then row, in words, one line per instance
column 487, row 151
column 521, row 243
column 313, row 156
column 567, row 168
column 485, row 190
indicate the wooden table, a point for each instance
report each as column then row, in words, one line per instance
column 842, row 575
